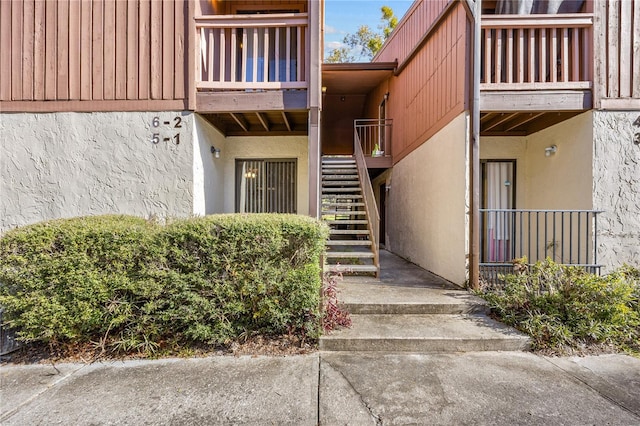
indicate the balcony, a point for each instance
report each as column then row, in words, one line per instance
column 252, row 73
column 374, row 138
column 532, row 65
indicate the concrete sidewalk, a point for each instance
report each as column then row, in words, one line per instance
column 497, row 388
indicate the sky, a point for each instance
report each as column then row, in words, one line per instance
column 345, row 16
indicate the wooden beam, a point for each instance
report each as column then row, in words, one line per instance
column 286, row 120
column 263, row 120
column 503, row 117
column 543, row 100
column 522, row 120
column 93, row 106
column 277, row 100
column 217, row 122
column 240, row 120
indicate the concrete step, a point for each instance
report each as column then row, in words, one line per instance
column 362, row 296
column 333, row 162
column 331, row 183
column 327, row 198
column 344, row 212
column 339, row 166
column 349, row 254
column 364, row 243
column 343, row 204
column 350, row 268
column 347, row 222
column 424, row 334
column 334, row 190
column 339, row 171
column 349, row 231
column 340, row 177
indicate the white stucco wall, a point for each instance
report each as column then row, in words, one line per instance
column 616, row 186
column 209, row 184
column 426, row 203
column 258, row 147
column 55, row 165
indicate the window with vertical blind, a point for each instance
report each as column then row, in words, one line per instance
column 266, row 186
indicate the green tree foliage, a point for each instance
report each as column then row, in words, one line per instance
column 365, row 43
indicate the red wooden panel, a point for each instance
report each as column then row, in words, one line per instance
column 121, row 49
column 74, row 49
column 156, row 50
column 38, row 51
column 144, row 50
column 109, row 43
column 86, row 55
column 27, row 49
column 5, row 52
column 62, row 90
column 16, row 50
column 132, row 49
column 180, row 58
column 97, row 41
column 51, row 54
column 167, row 50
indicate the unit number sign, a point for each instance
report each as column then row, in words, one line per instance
column 167, row 130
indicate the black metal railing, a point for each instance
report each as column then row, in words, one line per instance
column 568, row 237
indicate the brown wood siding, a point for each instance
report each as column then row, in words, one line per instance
column 617, row 54
column 432, row 88
column 101, row 51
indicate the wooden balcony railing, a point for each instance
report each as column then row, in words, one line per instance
column 262, row 52
column 537, row 52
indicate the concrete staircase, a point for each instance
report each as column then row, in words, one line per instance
column 349, row 249
column 410, row 310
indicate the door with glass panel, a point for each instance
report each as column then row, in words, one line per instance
column 266, row 186
column 498, row 197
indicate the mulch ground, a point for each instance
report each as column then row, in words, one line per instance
column 89, row 352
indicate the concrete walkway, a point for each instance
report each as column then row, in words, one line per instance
column 477, row 388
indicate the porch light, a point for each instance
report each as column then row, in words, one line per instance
column 550, row 150
column 215, row 151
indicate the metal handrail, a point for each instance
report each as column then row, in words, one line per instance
column 569, row 237
column 372, row 132
column 369, row 200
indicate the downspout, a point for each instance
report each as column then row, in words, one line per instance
column 475, row 153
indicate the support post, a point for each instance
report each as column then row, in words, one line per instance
column 474, row 237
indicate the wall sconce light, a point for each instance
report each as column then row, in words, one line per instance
column 386, row 96
column 215, row 151
column 550, row 150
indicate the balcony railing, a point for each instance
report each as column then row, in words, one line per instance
column 261, row 52
column 537, row 52
column 568, row 237
column 374, row 136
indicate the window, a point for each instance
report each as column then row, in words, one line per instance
column 266, row 186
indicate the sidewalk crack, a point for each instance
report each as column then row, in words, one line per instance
column 376, row 417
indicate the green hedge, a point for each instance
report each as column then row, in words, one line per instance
column 133, row 284
column 564, row 307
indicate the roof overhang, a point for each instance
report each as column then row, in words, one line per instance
column 355, row 78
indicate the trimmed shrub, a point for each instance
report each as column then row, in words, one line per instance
column 564, row 307
column 132, row 284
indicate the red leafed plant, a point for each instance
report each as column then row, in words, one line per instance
column 333, row 315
